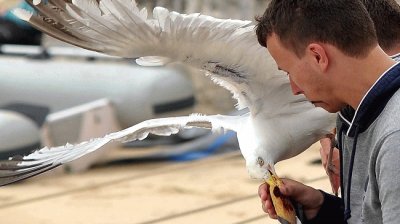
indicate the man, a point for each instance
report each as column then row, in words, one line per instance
column 330, row 52
column 386, row 17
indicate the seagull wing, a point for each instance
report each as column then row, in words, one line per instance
column 226, row 49
column 22, row 167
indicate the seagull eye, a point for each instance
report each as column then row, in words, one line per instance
column 260, row 161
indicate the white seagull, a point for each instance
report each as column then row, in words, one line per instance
column 278, row 126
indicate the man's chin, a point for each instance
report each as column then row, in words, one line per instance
column 325, row 106
column 319, row 104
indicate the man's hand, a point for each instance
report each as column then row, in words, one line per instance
column 331, row 161
column 310, row 198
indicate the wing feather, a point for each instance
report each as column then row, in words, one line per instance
column 227, row 49
column 19, row 168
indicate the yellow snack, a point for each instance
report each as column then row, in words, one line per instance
column 283, row 207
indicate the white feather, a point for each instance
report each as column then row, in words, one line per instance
column 152, row 61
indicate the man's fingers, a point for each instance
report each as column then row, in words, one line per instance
column 269, row 209
column 263, row 191
column 266, row 201
column 324, row 157
column 334, row 159
column 324, row 150
column 332, row 169
column 293, row 189
column 310, row 198
column 303, row 194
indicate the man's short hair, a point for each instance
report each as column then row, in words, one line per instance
column 343, row 23
column 386, row 16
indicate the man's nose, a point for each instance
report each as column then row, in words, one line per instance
column 295, row 89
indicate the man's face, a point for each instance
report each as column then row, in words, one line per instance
column 304, row 75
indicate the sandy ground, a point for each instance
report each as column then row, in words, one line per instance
column 213, row 190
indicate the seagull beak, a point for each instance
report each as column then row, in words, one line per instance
column 271, row 170
column 283, row 206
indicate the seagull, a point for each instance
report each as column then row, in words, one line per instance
column 277, row 126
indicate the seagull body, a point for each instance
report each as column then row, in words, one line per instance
column 278, row 125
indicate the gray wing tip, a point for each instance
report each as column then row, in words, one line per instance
column 12, row 171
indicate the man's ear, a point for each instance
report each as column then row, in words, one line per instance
column 318, row 55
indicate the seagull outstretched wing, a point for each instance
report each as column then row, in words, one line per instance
column 22, row 167
column 227, row 49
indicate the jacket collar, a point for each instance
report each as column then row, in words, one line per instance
column 396, row 57
column 373, row 102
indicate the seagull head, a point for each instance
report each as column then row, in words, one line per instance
column 259, row 167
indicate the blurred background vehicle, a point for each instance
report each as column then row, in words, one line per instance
column 71, row 97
